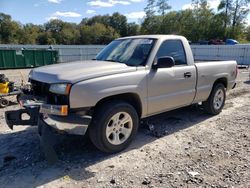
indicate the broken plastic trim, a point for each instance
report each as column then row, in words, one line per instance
column 47, row 136
column 14, row 117
column 48, row 140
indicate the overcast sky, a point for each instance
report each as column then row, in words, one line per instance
column 40, row 11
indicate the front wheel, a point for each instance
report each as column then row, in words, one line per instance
column 114, row 126
column 215, row 103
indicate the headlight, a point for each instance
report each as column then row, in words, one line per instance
column 62, row 89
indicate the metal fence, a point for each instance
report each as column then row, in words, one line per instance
column 67, row 53
column 240, row 53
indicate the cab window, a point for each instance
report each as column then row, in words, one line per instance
column 173, row 48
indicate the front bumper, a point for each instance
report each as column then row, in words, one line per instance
column 71, row 124
column 48, row 125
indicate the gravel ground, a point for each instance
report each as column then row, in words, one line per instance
column 181, row 148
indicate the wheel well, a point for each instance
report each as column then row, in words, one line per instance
column 132, row 98
column 222, row 81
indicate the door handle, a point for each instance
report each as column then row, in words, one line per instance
column 187, row 74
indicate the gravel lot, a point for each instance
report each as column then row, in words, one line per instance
column 183, row 148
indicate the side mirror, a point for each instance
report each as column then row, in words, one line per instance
column 164, row 62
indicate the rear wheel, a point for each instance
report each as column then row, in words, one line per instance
column 114, row 126
column 3, row 103
column 215, row 103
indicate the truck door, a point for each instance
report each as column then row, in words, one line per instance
column 173, row 87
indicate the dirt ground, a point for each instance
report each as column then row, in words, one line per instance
column 182, row 148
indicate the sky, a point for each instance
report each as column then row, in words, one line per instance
column 40, row 11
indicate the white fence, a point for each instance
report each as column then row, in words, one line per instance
column 240, row 53
column 67, row 53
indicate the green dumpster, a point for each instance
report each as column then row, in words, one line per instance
column 10, row 59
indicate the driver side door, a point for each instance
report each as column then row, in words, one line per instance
column 170, row 88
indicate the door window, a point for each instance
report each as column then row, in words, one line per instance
column 173, row 48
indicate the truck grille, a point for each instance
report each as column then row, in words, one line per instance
column 41, row 90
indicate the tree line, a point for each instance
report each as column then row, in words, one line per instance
column 199, row 22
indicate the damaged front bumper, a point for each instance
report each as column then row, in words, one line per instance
column 70, row 124
column 56, row 116
column 49, row 123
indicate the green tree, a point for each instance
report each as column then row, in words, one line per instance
column 133, row 29
column 103, row 19
column 240, row 11
column 70, row 33
column 119, row 23
column 198, row 23
column 225, row 8
column 203, row 17
column 9, row 30
column 30, row 33
column 151, row 25
column 97, row 34
column 150, row 8
column 45, row 38
column 62, row 32
column 53, row 29
column 163, row 6
column 248, row 33
column 233, row 13
column 116, row 21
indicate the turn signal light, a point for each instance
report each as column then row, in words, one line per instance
column 60, row 110
column 64, row 110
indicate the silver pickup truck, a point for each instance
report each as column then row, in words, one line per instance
column 130, row 79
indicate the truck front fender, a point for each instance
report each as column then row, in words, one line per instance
column 89, row 92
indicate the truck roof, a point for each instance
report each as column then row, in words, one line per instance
column 154, row 37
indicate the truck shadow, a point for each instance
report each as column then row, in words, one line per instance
column 22, row 159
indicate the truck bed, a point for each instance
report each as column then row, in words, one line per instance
column 209, row 71
column 206, row 61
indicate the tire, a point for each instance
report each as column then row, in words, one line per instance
column 216, row 100
column 3, row 103
column 109, row 131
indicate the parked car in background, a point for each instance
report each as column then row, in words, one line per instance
column 216, row 42
column 231, row 42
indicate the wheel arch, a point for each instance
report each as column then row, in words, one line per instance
column 222, row 80
column 131, row 98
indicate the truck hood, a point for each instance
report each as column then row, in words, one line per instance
column 73, row 72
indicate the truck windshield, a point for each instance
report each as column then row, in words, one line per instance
column 132, row 52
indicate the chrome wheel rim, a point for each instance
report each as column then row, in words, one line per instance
column 119, row 128
column 218, row 99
